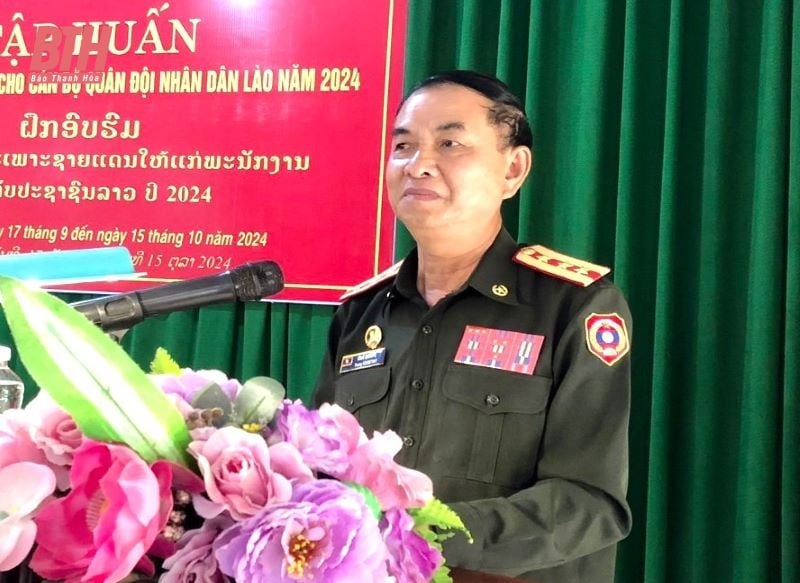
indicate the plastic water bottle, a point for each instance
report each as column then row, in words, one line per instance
column 11, row 386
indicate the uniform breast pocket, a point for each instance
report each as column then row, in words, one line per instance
column 493, row 423
column 363, row 393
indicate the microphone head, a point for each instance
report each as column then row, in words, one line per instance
column 253, row 281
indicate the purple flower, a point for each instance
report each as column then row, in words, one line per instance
column 194, row 561
column 395, row 486
column 190, row 382
column 325, row 533
column 411, row 558
column 325, row 438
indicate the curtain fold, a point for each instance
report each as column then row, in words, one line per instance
column 639, row 233
column 788, row 505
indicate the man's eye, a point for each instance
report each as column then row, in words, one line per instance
column 449, row 143
column 400, row 146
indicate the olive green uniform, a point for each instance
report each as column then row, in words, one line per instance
column 535, row 464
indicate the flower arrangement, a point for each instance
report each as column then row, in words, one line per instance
column 191, row 476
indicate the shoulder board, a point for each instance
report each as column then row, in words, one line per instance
column 372, row 281
column 564, row 267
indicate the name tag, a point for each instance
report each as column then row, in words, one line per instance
column 362, row 360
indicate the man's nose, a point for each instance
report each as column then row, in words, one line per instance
column 422, row 163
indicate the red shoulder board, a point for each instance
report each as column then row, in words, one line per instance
column 564, row 267
column 372, row 281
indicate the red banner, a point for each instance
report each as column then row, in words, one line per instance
column 202, row 135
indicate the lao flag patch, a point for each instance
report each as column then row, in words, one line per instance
column 501, row 349
column 607, row 337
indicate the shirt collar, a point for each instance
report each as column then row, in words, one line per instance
column 495, row 277
column 405, row 283
column 496, row 274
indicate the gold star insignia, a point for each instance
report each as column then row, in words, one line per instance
column 500, row 290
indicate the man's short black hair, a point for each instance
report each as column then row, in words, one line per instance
column 507, row 109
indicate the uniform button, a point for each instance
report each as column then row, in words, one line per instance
column 351, row 401
column 417, row 384
column 492, row 400
column 408, row 441
column 426, row 329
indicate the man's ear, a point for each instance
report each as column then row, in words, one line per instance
column 520, row 162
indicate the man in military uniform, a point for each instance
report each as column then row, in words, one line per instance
column 504, row 369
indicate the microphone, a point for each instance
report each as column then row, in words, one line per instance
column 251, row 281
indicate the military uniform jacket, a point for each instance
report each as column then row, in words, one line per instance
column 535, row 462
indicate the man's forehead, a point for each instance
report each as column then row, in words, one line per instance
column 450, row 126
column 444, row 108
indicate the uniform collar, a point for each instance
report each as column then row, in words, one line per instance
column 495, row 277
column 405, row 283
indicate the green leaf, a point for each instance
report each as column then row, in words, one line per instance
column 437, row 522
column 439, row 515
column 258, row 400
column 369, row 498
column 163, row 363
column 213, row 397
column 91, row 377
column 442, row 574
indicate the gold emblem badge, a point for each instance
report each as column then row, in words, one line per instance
column 500, row 290
column 373, row 336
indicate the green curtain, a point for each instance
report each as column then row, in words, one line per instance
column 668, row 146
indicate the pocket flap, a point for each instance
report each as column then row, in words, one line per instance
column 362, row 387
column 494, row 391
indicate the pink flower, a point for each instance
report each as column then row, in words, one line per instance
column 194, row 560
column 239, row 473
column 103, row 527
column 287, row 461
column 326, row 438
column 395, row 486
column 23, row 486
column 350, row 431
column 202, row 433
column 57, row 435
column 18, row 429
column 41, row 433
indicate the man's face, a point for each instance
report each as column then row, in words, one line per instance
column 449, row 167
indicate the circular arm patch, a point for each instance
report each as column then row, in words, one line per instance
column 607, row 337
